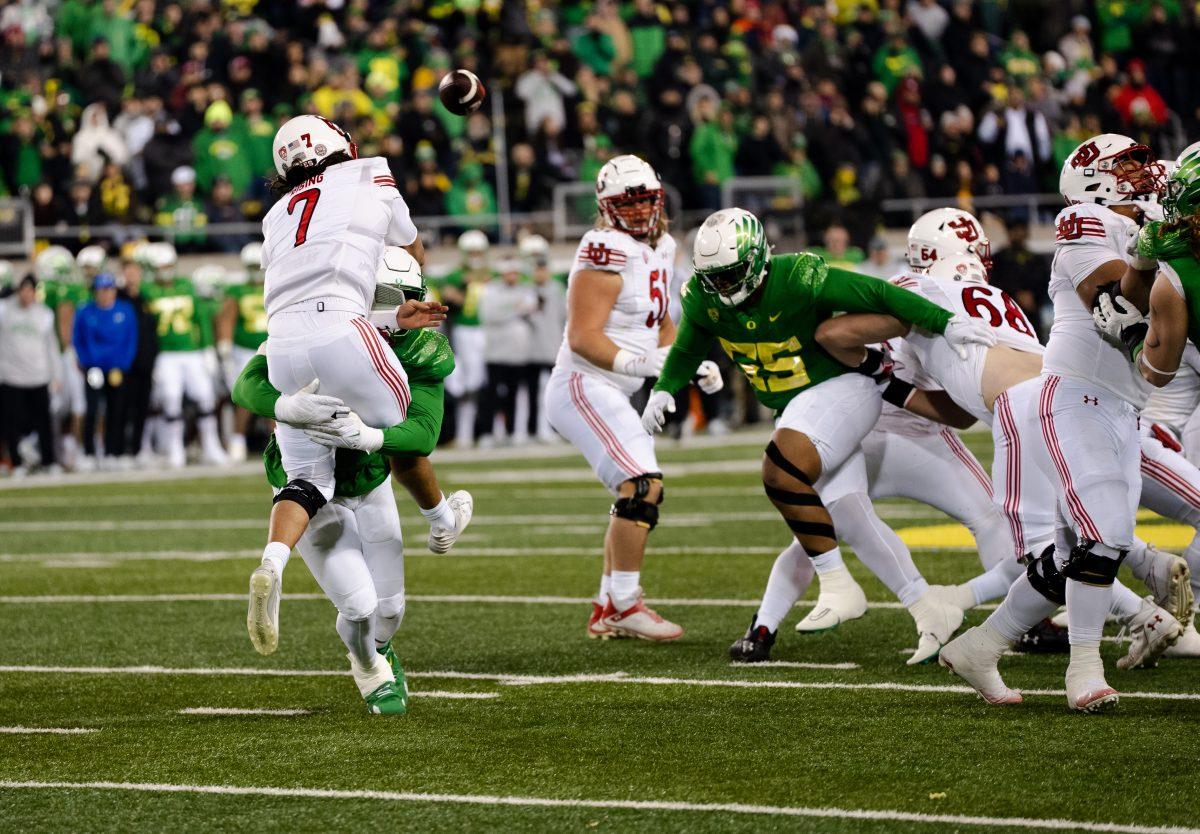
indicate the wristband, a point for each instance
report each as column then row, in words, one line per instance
column 1141, row 357
column 1134, row 336
column 897, row 392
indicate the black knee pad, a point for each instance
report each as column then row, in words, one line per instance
column 303, row 493
column 636, row 508
column 1091, row 568
column 1043, row 575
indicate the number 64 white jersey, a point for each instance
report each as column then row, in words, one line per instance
column 641, row 305
column 326, row 236
column 934, row 357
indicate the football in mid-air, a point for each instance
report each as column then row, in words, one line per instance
column 462, row 92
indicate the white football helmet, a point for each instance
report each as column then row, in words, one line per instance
column 6, row 275
column 161, row 256
column 307, row 140
column 474, row 245
column 1110, row 170
column 208, row 278
column 962, row 268
column 55, row 263
column 398, row 279
column 534, row 248
column 943, row 232
column 730, row 255
column 91, row 259
column 630, row 195
column 251, row 255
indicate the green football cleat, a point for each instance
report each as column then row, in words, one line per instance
column 388, row 699
column 389, row 654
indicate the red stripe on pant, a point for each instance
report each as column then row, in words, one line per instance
column 1171, row 480
column 1012, row 472
column 371, row 339
column 1087, row 527
column 611, row 445
column 964, row 454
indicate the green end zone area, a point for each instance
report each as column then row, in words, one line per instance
column 123, row 604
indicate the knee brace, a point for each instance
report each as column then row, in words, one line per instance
column 636, row 508
column 304, row 493
column 1091, row 568
column 1043, row 575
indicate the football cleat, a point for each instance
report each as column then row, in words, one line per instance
column 1188, row 644
column 937, row 619
column 1044, row 638
column 755, row 647
column 1087, row 690
column 377, row 686
column 441, row 539
column 262, row 615
column 1153, row 630
column 1169, row 581
column 640, row 621
column 840, row 600
column 389, row 654
column 975, row 657
column 596, row 629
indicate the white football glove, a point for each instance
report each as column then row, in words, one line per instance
column 961, row 332
column 1114, row 316
column 708, row 377
column 654, row 417
column 306, row 407
column 639, row 364
column 346, row 432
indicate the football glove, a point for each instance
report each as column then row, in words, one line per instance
column 346, row 431
column 878, row 364
column 306, row 407
column 961, row 332
column 708, row 377
column 639, row 364
column 654, row 417
column 1119, row 322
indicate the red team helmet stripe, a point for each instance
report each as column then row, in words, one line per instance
column 1087, row 527
column 1012, row 473
column 968, row 460
column 1171, row 480
column 614, row 448
column 392, row 379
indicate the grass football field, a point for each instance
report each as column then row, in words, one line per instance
column 123, row 616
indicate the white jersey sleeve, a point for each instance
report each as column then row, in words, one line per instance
column 1086, row 237
column 401, row 230
column 901, row 421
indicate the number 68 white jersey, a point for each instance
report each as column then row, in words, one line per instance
column 937, row 360
column 641, row 305
column 326, row 236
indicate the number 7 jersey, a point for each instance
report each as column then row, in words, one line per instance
column 641, row 305
column 325, row 237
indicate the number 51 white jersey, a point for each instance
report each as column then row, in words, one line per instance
column 935, row 357
column 325, row 237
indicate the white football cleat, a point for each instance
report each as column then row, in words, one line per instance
column 937, row 619
column 1188, row 644
column 839, row 600
column 1153, row 630
column 262, row 616
column 639, row 620
column 441, row 539
column 1168, row 579
column 1087, row 690
column 237, row 448
column 975, row 657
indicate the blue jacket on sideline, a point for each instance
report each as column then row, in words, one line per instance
column 106, row 339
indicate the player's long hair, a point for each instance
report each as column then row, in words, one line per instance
column 664, row 225
column 297, row 174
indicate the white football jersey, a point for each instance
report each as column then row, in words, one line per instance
column 641, row 305
column 1086, row 237
column 326, row 236
column 1174, row 404
column 901, row 421
column 933, row 355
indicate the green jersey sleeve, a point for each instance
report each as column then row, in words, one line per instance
column 253, row 390
column 849, row 292
column 418, row 434
column 692, row 343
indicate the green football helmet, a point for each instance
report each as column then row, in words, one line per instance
column 731, row 255
column 1182, row 198
column 397, row 280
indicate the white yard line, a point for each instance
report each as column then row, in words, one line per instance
column 240, row 711
column 51, row 731
column 793, row 664
column 537, row 680
column 879, row 815
column 464, row 696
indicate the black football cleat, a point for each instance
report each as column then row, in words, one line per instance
column 1044, row 638
column 755, row 647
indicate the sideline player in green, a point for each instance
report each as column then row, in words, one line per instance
column 241, row 327
column 765, row 310
column 353, row 545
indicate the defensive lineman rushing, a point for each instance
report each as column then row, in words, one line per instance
column 618, row 332
column 765, row 311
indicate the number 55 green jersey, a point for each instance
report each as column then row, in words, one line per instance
column 771, row 336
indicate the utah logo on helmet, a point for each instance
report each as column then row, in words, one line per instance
column 944, row 232
column 1111, row 170
column 307, row 140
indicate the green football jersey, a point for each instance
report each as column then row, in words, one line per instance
column 178, row 311
column 54, row 293
column 771, row 336
column 250, row 326
column 1184, row 274
column 468, row 314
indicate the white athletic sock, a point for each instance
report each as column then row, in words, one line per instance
column 826, row 562
column 1022, row 609
column 623, row 589
column 386, row 628
column 1125, row 603
column 210, row 437
column 790, row 577
column 605, row 589
column 276, row 554
column 442, row 515
column 877, row 546
column 359, row 637
column 995, row 582
column 993, row 539
column 1088, row 605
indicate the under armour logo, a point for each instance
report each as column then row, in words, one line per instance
column 1090, row 400
column 1153, row 624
